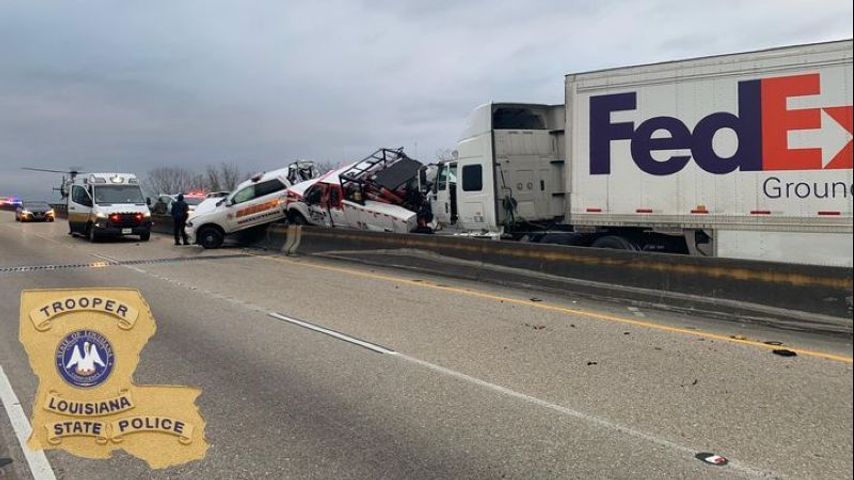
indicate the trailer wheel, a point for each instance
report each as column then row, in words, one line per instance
column 615, row 242
column 210, row 237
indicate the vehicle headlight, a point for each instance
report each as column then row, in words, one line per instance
column 25, row 212
column 146, row 214
column 101, row 215
column 50, row 212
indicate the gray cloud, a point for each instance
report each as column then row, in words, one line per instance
column 134, row 85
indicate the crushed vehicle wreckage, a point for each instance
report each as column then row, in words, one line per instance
column 384, row 191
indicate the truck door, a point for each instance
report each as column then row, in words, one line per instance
column 256, row 204
column 444, row 198
column 317, row 200
column 79, row 208
column 336, row 206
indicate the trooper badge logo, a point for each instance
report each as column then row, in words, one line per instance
column 84, row 345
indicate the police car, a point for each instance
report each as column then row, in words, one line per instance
column 257, row 201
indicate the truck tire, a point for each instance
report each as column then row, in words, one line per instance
column 210, row 237
column 615, row 242
column 145, row 236
column 92, row 233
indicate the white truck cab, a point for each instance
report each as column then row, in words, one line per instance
column 257, row 201
column 108, row 204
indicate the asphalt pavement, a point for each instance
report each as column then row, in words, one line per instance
column 315, row 368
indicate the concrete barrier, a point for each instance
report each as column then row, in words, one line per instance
column 810, row 289
column 161, row 224
column 60, row 210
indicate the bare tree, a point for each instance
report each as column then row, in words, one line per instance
column 198, row 182
column 212, row 180
column 229, row 175
column 172, row 180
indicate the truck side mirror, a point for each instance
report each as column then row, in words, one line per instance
column 148, row 201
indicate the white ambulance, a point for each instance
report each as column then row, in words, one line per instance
column 108, row 204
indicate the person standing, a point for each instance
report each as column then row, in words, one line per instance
column 180, row 212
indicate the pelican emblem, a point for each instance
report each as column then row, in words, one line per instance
column 85, row 363
column 84, row 358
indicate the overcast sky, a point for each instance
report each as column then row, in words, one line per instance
column 132, row 85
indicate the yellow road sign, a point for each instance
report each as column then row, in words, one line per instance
column 84, row 345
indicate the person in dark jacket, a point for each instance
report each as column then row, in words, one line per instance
column 180, row 212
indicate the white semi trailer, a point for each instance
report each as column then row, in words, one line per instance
column 743, row 156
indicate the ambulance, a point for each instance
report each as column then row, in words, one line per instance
column 107, row 205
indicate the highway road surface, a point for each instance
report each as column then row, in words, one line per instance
column 317, row 369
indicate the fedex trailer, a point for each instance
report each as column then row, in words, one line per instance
column 743, row 156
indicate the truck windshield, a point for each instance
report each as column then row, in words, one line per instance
column 106, row 194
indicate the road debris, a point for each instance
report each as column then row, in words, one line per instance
column 712, row 459
column 784, row 352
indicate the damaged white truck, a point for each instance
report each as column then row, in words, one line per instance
column 382, row 192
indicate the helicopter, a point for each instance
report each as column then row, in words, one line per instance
column 72, row 173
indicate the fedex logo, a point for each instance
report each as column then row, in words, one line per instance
column 762, row 125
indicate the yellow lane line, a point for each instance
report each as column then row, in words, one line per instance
column 560, row 309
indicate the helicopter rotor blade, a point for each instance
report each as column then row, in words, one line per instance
column 70, row 172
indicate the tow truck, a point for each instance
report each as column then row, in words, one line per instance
column 381, row 192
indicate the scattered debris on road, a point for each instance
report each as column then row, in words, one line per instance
column 535, row 299
column 592, row 363
column 712, row 459
column 772, row 342
column 784, row 352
